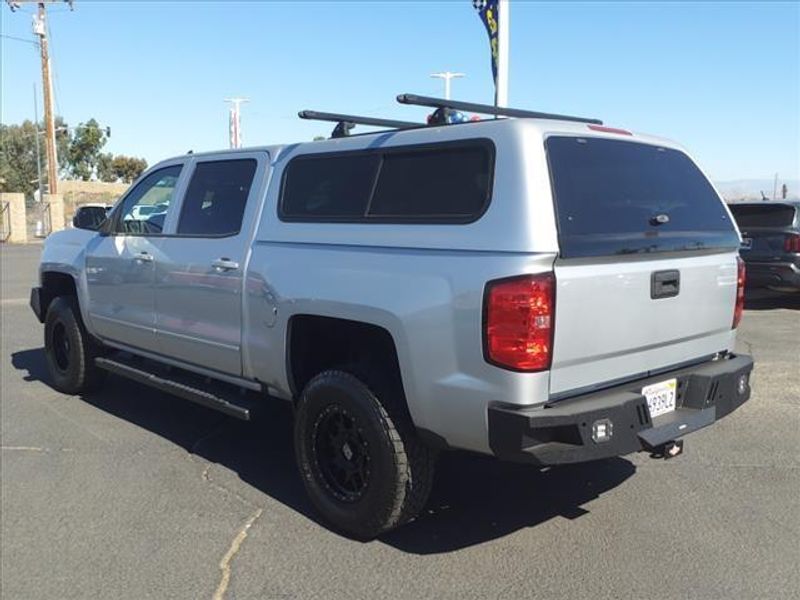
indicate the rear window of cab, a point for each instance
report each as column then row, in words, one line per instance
column 617, row 197
column 443, row 183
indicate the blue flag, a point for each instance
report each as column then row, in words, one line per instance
column 487, row 11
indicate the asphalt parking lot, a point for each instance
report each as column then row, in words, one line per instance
column 129, row 493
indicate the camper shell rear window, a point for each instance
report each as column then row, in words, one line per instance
column 616, row 197
column 448, row 182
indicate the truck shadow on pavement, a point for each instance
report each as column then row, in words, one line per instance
column 475, row 499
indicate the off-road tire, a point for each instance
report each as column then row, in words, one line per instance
column 69, row 349
column 400, row 467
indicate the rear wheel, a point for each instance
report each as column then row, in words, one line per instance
column 362, row 464
column 69, row 349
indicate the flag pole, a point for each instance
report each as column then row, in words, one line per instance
column 503, row 22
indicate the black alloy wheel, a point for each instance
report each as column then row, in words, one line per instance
column 341, row 453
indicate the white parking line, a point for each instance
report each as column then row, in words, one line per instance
column 14, row 301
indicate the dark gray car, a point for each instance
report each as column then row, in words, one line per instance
column 770, row 243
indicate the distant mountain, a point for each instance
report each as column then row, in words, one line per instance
column 750, row 189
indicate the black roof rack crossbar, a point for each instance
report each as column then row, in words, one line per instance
column 346, row 122
column 488, row 109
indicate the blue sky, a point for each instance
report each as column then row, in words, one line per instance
column 721, row 78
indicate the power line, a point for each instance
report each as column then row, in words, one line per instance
column 19, row 39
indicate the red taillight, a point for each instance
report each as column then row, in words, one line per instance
column 791, row 243
column 519, row 321
column 740, row 276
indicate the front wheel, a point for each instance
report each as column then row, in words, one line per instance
column 362, row 464
column 69, row 349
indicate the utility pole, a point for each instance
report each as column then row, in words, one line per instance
column 40, row 31
column 447, row 76
column 235, row 121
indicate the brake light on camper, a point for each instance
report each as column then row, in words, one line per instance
column 604, row 129
column 519, row 321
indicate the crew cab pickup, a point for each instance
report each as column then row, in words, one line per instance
column 541, row 289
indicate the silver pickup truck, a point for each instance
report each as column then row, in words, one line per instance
column 538, row 288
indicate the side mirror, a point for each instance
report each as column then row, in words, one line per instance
column 90, row 218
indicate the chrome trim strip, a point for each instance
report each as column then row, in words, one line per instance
column 121, row 322
column 197, row 340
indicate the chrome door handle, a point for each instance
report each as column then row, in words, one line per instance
column 143, row 257
column 225, row 264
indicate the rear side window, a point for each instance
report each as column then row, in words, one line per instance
column 618, row 197
column 763, row 215
column 334, row 187
column 434, row 183
column 216, row 198
column 449, row 183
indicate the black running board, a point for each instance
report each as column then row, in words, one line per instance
column 176, row 386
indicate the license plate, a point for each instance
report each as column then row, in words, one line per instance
column 747, row 243
column 660, row 397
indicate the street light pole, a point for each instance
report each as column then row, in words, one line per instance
column 447, row 76
column 235, row 121
column 38, row 154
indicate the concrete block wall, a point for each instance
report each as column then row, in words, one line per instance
column 27, row 223
column 56, row 202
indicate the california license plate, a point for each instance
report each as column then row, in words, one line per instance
column 660, row 397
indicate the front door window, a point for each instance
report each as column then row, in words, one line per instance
column 145, row 207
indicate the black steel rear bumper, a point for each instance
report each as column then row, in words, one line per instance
column 563, row 432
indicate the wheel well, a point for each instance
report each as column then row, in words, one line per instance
column 59, row 284
column 56, row 284
column 320, row 343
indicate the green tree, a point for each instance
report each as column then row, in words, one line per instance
column 128, row 168
column 84, row 149
column 18, row 158
column 79, row 156
column 18, row 154
column 105, row 168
